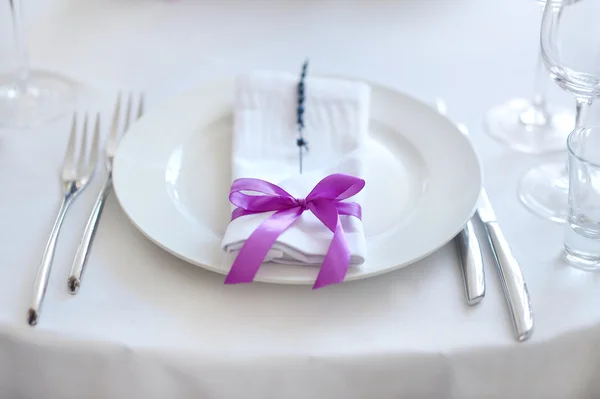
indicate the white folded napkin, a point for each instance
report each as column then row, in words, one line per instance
column 264, row 147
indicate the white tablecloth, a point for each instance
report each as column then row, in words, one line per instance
column 147, row 325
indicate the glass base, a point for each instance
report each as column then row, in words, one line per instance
column 582, row 241
column 544, row 190
column 29, row 103
column 524, row 128
column 582, row 262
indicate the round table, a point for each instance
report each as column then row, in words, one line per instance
column 148, row 325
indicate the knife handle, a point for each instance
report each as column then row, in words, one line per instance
column 471, row 264
column 513, row 282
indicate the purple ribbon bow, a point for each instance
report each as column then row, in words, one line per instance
column 324, row 201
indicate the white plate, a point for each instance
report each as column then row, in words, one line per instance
column 172, row 175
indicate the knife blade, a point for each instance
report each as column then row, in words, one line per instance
column 469, row 250
column 511, row 275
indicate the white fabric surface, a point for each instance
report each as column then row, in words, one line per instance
column 264, row 147
column 147, row 325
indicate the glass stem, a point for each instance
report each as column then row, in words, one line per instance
column 540, row 88
column 16, row 11
column 536, row 114
column 582, row 110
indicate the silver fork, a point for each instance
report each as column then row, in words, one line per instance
column 83, row 250
column 75, row 176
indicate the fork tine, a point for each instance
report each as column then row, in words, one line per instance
column 68, row 164
column 83, row 145
column 95, row 144
column 140, row 106
column 128, row 112
column 114, row 127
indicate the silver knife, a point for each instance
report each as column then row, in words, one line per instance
column 511, row 276
column 471, row 264
column 467, row 242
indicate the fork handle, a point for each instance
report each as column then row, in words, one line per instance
column 83, row 250
column 43, row 273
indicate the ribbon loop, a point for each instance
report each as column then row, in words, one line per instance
column 324, row 201
column 337, row 187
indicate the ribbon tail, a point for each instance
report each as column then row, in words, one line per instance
column 337, row 260
column 256, row 247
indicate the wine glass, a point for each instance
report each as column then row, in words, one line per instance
column 570, row 43
column 28, row 98
column 531, row 125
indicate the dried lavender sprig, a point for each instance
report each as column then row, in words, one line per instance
column 300, row 142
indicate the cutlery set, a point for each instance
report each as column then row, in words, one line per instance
column 472, row 265
column 79, row 167
column 90, row 229
column 80, row 164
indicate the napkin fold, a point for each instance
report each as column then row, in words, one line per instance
column 336, row 121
